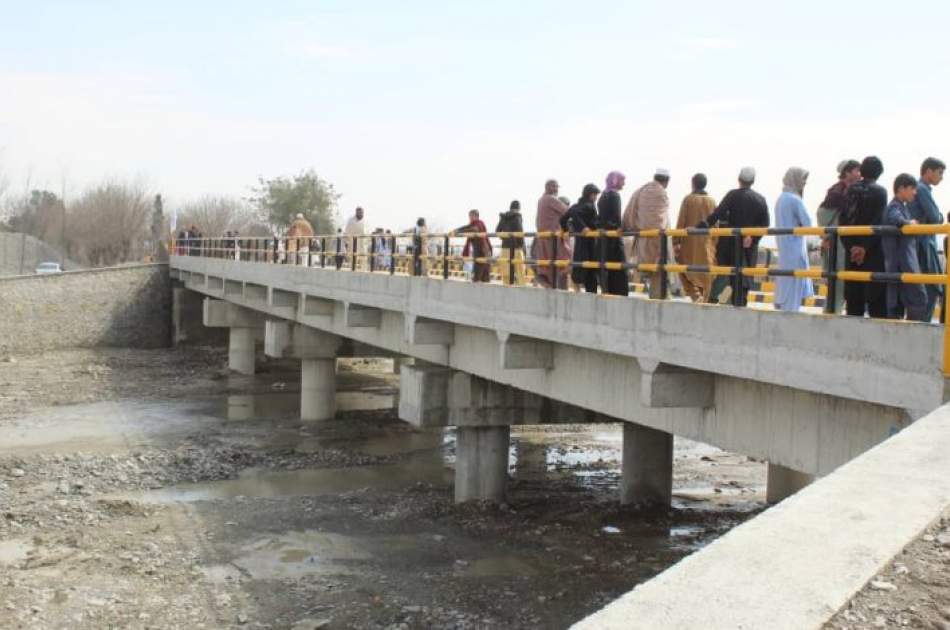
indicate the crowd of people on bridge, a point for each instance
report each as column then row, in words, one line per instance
column 569, row 257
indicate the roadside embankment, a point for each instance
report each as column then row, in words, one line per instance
column 127, row 306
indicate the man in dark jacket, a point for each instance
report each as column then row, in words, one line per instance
column 866, row 204
column 512, row 247
column 741, row 207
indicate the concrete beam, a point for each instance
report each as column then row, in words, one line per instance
column 318, row 389
column 524, row 353
column 282, row 303
column 663, row 386
column 783, row 482
column 431, row 396
column 357, row 316
column 422, row 331
column 424, row 395
column 241, row 350
column 215, row 285
column 311, row 306
column 276, row 338
column 221, row 314
column 481, row 463
column 647, row 467
column 255, row 293
column 233, row 288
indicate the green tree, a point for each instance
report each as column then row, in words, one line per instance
column 279, row 199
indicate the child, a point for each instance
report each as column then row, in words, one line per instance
column 900, row 255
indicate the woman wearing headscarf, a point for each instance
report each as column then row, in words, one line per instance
column 609, row 217
column 580, row 217
column 790, row 212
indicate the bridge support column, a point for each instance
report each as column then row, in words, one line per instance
column 784, row 482
column 317, row 389
column 647, row 467
column 241, row 350
column 317, row 351
column 481, row 463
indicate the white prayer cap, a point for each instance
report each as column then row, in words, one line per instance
column 662, row 172
column 747, row 174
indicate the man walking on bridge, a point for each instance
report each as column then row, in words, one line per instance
column 355, row 228
column 649, row 209
column 866, row 204
column 741, row 207
column 548, row 219
column 696, row 250
column 925, row 211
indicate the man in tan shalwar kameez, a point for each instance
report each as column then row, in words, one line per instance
column 548, row 219
column 649, row 209
column 696, row 250
column 298, row 237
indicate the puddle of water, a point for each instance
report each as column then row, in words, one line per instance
column 14, row 551
column 291, row 555
column 282, row 405
column 310, row 482
column 103, row 426
column 499, row 566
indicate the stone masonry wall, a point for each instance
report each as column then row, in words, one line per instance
column 119, row 306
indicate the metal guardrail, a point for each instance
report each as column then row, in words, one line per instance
column 378, row 253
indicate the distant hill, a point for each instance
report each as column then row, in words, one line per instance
column 21, row 253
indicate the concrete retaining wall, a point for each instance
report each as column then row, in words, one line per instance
column 118, row 306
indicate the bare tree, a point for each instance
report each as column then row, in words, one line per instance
column 108, row 224
column 213, row 216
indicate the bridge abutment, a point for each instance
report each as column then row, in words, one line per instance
column 647, row 467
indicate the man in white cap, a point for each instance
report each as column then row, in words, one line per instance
column 741, row 207
column 649, row 209
column 355, row 227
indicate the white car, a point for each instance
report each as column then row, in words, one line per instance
column 49, row 267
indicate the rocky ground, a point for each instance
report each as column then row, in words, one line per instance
column 128, row 499
column 913, row 591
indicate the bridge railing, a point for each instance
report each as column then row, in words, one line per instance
column 441, row 256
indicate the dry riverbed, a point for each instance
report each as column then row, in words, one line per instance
column 149, row 489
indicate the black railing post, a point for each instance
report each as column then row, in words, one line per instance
column 323, row 252
column 372, row 254
column 353, row 259
column 555, row 272
column 415, row 258
column 664, row 260
column 445, row 257
column 392, row 255
column 603, row 260
column 831, row 280
column 739, row 252
column 511, row 261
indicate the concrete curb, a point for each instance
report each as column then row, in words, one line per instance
column 797, row 564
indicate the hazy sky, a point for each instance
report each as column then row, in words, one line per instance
column 430, row 108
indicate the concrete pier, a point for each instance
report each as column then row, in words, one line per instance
column 481, row 463
column 317, row 389
column 241, row 350
column 784, row 482
column 647, row 466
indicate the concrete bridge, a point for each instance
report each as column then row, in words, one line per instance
column 806, row 393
